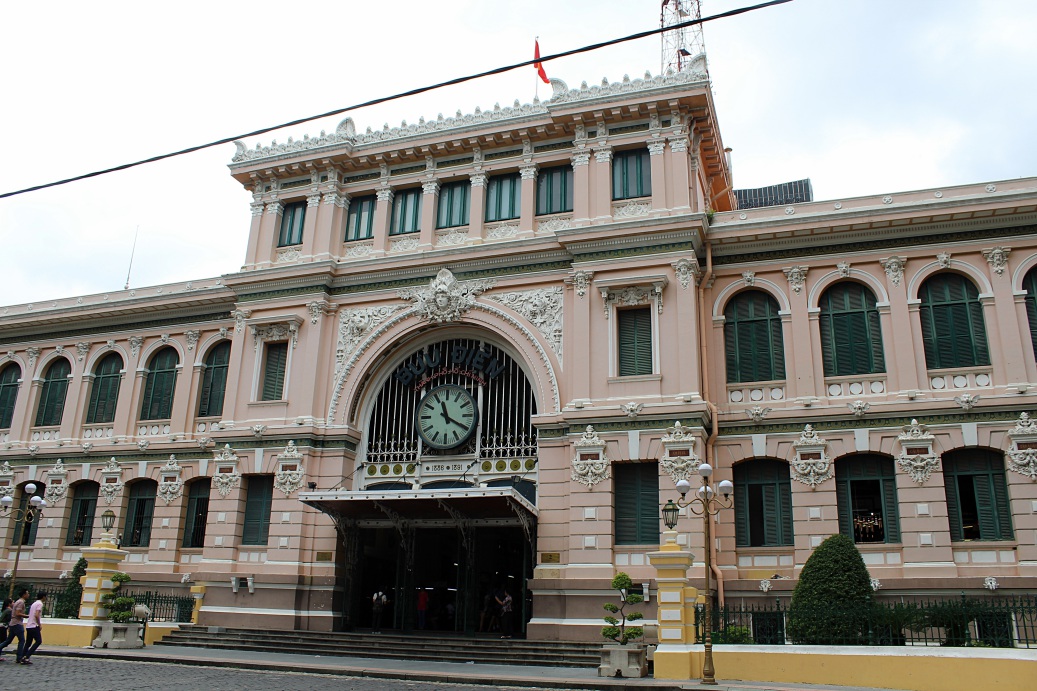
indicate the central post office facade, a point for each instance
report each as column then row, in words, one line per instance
column 477, row 352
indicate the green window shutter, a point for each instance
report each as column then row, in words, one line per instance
column 502, row 197
column 452, row 210
column 360, row 220
column 104, row 393
column 8, row 393
column 741, row 510
column 27, row 531
column 140, row 511
column 785, row 509
column 259, row 494
column 81, row 517
column 843, row 506
column 771, row 525
column 197, row 512
column 950, row 486
column 753, row 344
column 1030, row 286
column 1002, row 507
column 554, row 190
column 273, row 371
column 159, row 385
column 635, row 341
column 953, row 331
column 637, row 503
column 988, row 528
column 851, row 338
column 889, row 506
column 648, row 509
column 631, row 174
column 292, row 219
column 52, row 395
column 214, row 381
column 769, row 480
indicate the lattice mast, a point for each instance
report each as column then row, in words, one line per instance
column 680, row 46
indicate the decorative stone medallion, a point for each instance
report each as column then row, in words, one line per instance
column 1022, row 454
column 590, row 464
column 916, row 452
column 171, row 487
column 111, row 481
column 289, row 475
column 679, row 458
column 811, row 465
column 445, row 299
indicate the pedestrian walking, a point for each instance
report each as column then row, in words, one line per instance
column 378, row 602
column 16, row 626
column 34, row 628
column 5, row 618
column 422, row 607
column 507, row 614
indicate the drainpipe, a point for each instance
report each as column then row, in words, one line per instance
column 704, row 378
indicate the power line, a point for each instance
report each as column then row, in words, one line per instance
column 394, row 97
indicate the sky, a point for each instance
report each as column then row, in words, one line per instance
column 861, row 96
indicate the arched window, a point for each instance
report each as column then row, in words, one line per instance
column 763, row 503
column 851, row 340
column 158, row 387
column 214, row 381
column 26, row 531
column 952, row 323
column 139, row 512
column 52, row 394
column 9, row 377
column 1030, row 286
column 105, row 390
column 81, row 520
column 752, row 338
column 866, row 494
column 977, row 495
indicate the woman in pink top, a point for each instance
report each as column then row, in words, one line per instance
column 34, row 628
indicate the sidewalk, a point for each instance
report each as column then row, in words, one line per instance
column 418, row 670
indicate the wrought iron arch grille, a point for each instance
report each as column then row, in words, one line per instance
column 504, row 443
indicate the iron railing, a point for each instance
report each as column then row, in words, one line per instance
column 164, row 606
column 1003, row 622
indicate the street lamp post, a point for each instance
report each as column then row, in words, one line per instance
column 24, row 518
column 705, row 504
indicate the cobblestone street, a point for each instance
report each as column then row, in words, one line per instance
column 76, row 674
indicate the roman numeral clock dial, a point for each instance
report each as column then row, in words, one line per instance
column 446, row 417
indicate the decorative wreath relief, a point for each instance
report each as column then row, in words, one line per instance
column 171, row 487
column 916, row 452
column 1022, row 455
column 289, row 476
column 590, row 464
column 679, row 458
column 811, row 465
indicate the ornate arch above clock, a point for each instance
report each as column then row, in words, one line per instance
column 503, row 444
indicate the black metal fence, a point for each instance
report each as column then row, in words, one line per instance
column 164, row 606
column 1006, row 622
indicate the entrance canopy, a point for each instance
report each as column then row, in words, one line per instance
column 426, row 507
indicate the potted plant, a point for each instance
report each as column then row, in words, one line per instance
column 621, row 658
column 120, row 631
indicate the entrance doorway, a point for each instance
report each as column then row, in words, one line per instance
column 459, row 581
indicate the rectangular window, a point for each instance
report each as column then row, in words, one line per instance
column 258, row 494
column 555, row 190
column 360, row 222
column 631, row 174
column 406, row 212
column 275, row 362
column 291, row 224
column 453, row 204
column 634, row 341
column 502, row 197
column 197, row 512
column 81, row 519
column 637, row 503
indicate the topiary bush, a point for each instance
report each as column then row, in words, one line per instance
column 68, row 601
column 833, row 597
column 120, row 609
column 617, row 629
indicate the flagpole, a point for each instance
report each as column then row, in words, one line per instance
column 536, row 79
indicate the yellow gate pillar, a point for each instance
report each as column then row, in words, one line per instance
column 674, row 658
column 103, row 559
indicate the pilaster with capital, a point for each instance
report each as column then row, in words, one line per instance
column 581, row 187
column 477, row 209
column 266, row 247
column 679, row 179
column 257, row 207
column 331, row 219
column 527, row 204
column 661, row 187
column 601, row 184
column 382, row 218
column 429, row 206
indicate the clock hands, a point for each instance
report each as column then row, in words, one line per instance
column 446, row 415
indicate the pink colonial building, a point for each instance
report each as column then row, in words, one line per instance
column 477, row 353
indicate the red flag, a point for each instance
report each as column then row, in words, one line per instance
column 537, row 65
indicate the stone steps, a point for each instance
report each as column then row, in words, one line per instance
column 437, row 646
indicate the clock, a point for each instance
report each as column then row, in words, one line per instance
column 446, row 417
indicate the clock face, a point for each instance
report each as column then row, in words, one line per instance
column 446, row 417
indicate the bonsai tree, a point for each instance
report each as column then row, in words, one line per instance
column 68, row 601
column 833, row 597
column 617, row 629
column 120, row 608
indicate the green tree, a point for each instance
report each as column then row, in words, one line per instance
column 617, row 629
column 833, row 597
column 68, row 601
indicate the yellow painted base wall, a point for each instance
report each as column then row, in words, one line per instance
column 74, row 633
column 926, row 669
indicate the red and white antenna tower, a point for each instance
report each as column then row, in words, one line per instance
column 681, row 46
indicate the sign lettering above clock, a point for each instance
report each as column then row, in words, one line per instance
column 476, row 362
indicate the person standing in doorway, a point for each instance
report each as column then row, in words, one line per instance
column 507, row 614
column 16, row 628
column 34, row 628
column 422, row 607
column 378, row 602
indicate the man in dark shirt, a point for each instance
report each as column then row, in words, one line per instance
column 16, row 629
